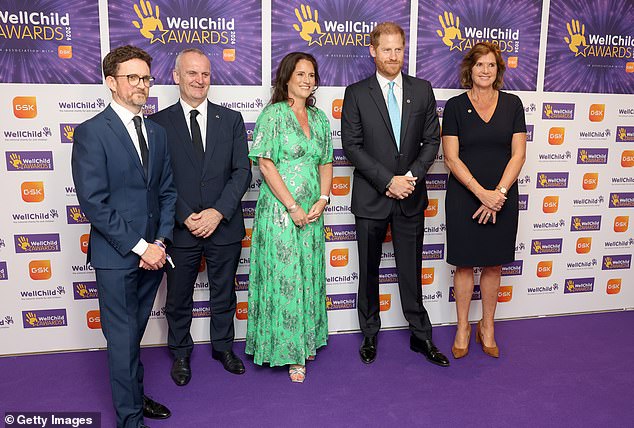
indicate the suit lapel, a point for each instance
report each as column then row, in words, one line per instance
column 407, row 106
column 114, row 122
column 377, row 95
column 213, row 125
column 177, row 117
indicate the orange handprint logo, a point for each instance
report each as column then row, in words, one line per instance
column 308, row 24
column 451, row 35
column 31, row 318
column 15, row 160
column 24, row 243
column 151, row 23
column 577, row 36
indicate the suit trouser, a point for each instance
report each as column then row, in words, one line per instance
column 222, row 263
column 126, row 297
column 407, row 238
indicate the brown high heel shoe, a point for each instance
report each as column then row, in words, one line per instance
column 461, row 352
column 491, row 351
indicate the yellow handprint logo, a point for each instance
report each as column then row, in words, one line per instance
column 82, row 290
column 15, row 160
column 151, row 26
column 543, row 180
column 328, row 302
column 583, row 156
column 24, row 243
column 577, row 36
column 608, row 262
column 69, row 132
column 622, row 133
column 615, row 200
column 548, row 110
column 451, row 35
column 570, row 285
column 31, row 318
column 309, row 25
column 76, row 214
column 537, row 246
column 577, row 223
column 328, row 233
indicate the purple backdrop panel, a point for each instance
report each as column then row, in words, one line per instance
column 447, row 29
column 590, row 47
column 230, row 33
column 49, row 41
column 335, row 32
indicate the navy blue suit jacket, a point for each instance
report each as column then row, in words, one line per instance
column 121, row 204
column 221, row 180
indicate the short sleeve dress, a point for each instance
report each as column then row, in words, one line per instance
column 287, row 282
column 485, row 148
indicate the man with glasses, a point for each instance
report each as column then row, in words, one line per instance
column 208, row 147
column 121, row 168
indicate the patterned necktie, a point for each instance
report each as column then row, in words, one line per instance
column 142, row 143
column 395, row 115
column 197, row 138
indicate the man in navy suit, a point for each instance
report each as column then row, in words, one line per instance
column 390, row 133
column 121, row 168
column 208, row 147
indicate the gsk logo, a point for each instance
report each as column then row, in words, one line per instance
column 590, row 180
column 505, row 294
column 93, row 320
column 339, row 257
column 613, row 286
column 341, row 185
column 65, row 51
column 242, row 310
column 24, row 107
column 432, row 208
column 596, row 113
column 621, row 223
column 32, row 191
column 544, row 268
column 556, row 136
column 40, row 269
column 385, row 302
column 337, row 108
column 629, row 67
column 627, row 158
column 229, row 55
column 83, row 242
column 583, row 245
column 246, row 241
column 550, row 204
column 427, row 276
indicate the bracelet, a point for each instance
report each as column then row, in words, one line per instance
column 292, row 208
column 159, row 243
column 325, row 198
column 389, row 183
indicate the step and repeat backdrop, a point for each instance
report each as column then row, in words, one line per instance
column 570, row 61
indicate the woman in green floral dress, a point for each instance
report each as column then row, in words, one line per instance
column 287, row 283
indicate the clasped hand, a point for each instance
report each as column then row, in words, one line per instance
column 301, row 219
column 492, row 202
column 153, row 258
column 204, row 223
column 402, row 186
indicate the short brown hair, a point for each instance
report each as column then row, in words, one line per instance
column 385, row 28
column 122, row 54
column 471, row 58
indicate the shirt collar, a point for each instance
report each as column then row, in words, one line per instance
column 202, row 108
column 383, row 82
column 124, row 114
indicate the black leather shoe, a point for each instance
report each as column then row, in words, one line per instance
column 181, row 371
column 154, row 410
column 429, row 350
column 367, row 351
column 229, row 360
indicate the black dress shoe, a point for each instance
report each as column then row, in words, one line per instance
column 367, row 351
column 181, row 371
column 154, row 410
column 429, row 350
column 229, row 360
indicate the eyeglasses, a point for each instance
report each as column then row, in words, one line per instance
column 133, row 79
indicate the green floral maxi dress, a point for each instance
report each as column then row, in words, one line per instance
column 287, row 282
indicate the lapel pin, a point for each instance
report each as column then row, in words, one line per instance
column 217, row 117
column 469, row 111
column 408, row 101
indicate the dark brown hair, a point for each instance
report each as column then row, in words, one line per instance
column 471, row 58
column 284, row 74
column 122, row 54
column 385, row 28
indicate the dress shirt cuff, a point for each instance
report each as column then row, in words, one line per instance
column 140, row 247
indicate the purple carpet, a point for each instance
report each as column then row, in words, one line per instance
column 574, row 371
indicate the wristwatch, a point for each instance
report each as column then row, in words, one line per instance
column 502, row 190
